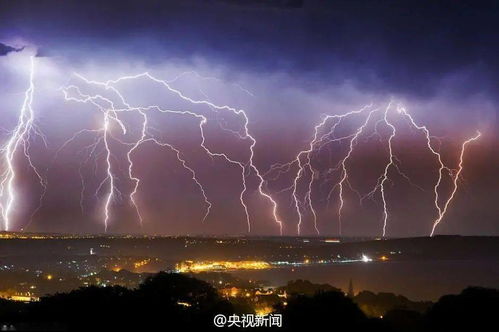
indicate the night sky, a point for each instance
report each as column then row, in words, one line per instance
column 286, row 63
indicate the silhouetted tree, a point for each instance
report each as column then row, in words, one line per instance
column 10, row 310
column 475, row 309
column 331, row 309
column 305, row 287
column 376, row 305
column 173, row 301
column 162, row 302
column 178, row 300
column 404, row 320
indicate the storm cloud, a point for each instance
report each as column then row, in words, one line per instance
column 287, row 63
column 6, row 49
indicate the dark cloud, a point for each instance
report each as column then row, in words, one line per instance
column 401, row 47
column 6, row 49
column 265, row 3
column 43, row 52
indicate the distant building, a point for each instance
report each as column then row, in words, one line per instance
column 351, row 292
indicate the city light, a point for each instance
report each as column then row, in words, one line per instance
column 190, row 266
column 184, row 304
column 366, row 259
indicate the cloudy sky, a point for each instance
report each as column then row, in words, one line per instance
column 286, row 63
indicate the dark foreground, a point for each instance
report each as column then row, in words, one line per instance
column 167, row 301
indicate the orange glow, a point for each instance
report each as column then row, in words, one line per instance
column 263, row 311
column 190, row 266
column 184, row 304
column 141, row 263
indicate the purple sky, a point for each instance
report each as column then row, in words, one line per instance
column 286, row 64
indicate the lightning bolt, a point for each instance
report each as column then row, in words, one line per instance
column 303, row 163
column 111, row 112
column 443, row 211
column 442, row 167
column 344, row 177
column 387, row 168
column 20, row 140
column 306, row 166
column 324, row 134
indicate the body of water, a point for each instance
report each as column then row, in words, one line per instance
column 417, row 280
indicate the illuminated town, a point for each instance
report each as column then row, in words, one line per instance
column 108, row 261
column 111, row 260
column 33, row 267
column 190, row 266
column 67, row 262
